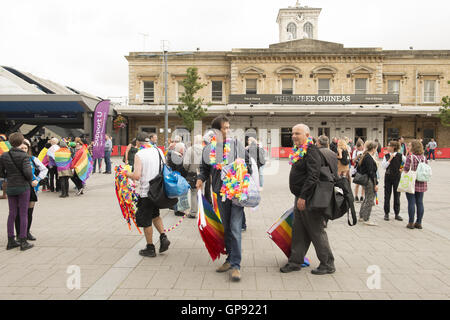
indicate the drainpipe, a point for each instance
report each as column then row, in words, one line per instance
column 417, row 88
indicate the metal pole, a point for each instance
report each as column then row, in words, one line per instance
column 166, row 115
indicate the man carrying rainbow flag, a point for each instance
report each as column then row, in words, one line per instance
column 220, row 152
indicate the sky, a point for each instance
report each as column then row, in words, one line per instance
column 82, row 44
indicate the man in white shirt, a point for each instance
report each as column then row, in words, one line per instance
column 432, row 145
column 52, row 169
column 146, row 168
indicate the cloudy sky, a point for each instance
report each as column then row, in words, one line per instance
column 82, row 43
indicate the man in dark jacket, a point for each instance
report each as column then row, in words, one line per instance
column 333, row 145
column 307, row 226
column 230, row 214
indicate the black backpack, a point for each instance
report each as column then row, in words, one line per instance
column 261, row 157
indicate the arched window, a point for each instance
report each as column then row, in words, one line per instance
column 292, row 29
column 308, row 30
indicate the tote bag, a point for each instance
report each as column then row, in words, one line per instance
column 407, row 182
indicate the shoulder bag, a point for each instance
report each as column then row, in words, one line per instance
column 408, row 181
column 157, row 192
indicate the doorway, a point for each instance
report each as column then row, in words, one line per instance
column 323, row 131
column 360, row 133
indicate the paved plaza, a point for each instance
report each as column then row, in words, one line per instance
column 89, row 233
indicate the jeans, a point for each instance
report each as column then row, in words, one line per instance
column 261, row 176
column 108, row 161
column 99, row 165
column 231, row 216
column 431, row 152
column 18, row 205
column 415, row 200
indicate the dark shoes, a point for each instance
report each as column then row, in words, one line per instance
column 179, row 213
column 12, row 243
column 386, row 217
column 30, row 237
column 223, row 268
column 398, row 218
column 290, row 268
column 149, row 251
column 417, row 226
column 164, row 243
column 322, row 271
column 410, row 225
column 24, row 245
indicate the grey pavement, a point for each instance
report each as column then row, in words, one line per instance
column 89, row 232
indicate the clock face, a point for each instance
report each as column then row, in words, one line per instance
column 299, row 17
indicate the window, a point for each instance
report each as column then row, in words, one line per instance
column 147, row 129
column 324, row 86
column 308, row 30
column 361, row 133
column 360, row 86
column 393, row 134
column 216, row 90
column 287, row 86
column 429, row 91
column 393, row 86
column 292, row 30
column 286, row 137
column 251, row 87
column 149, row 91
column 181, row 90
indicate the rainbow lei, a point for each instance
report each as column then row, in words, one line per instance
column 236, row 182
column 146, row 146
column 299, row 152
column 212, row 154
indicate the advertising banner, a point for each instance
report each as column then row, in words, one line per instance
column 99, row 128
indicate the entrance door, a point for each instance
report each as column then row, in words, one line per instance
column 250, row 132
column 324, row 131
column 286, row 137
column 427, row 135
column 360, row 133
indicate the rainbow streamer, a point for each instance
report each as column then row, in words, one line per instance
column 376, row 198
column 210, row 228
column 281, row 234
column 63, row 159
column 236, row 181
column 126, row 195
column 42, row 154
column 83, row 164
column 5, row 146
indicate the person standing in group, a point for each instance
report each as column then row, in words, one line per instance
column 392, row 162
column 130, row 152
column 344, row 159
column 369, row 167
column 207, row 188
column 416, row 199
column 403, row 149
column 146, row 167
column 356, row 158
column 175, row 162
column 64, row 171
column 333, row 145
column 15, row 166
column 96, row 160
column 222, row 151
column 191, row 163
column 257, row 152
column 108, row 150
column 378, row 147
column 307, row 226
column 52, row 168
column 75, row 178
column 153, row 139
column 432, row 145
column 39, row 172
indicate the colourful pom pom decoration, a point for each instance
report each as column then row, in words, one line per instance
column 236, row 182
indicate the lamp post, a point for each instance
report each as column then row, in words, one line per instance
column 165, row 56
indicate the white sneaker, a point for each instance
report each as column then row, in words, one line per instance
column 370, row 223
column 80, row 191
column 261, row 189
column 360, row 220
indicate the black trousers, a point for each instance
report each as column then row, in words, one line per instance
column 53, row 178
column 308, row 227
column 64, row 182
column 77, row 181
column 390, row 186
column 208, row 194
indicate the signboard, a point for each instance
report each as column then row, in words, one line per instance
column 99, row 127
column 314, row 99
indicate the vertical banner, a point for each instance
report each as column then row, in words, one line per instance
column 99, row 128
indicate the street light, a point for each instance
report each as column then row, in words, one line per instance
column 165, row 55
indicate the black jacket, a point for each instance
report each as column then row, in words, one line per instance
column 237, row 150
column 16, row 180
column 175, row 162
column 305, row 174
column 367, row 165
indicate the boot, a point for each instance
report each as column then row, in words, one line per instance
column 12, row 243
column 24, row 245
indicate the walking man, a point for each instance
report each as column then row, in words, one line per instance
column 146, row 168
column 308, row 226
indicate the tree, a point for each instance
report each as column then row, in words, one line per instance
column 191, row 107
column 444, row 112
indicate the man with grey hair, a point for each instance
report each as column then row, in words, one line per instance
column 308, row 226
column 191, row 162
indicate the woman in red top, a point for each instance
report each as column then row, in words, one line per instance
column 416, row 199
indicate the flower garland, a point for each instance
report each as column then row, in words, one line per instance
column 299, row 152
column 212, row 154
column 119, row 123
column 146, row 146
column 236, row 182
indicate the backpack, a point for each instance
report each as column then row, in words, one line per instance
column 423, row 171
column 261, row 159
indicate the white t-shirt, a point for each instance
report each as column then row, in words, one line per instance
column 150, row 168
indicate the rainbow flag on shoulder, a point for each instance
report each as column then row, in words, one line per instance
column 82, row 163
column 281, row 233
column 63, row 159
column 5, row 146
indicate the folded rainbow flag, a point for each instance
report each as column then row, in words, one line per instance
column 4, row 147
column 281, row 234
column 63, row 159
column 82, row 163
column 42, row 154
column 210, row 227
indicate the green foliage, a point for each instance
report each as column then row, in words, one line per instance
column 444, row 112
column 191, row 107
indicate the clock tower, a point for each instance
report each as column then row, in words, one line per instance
column 298, row 23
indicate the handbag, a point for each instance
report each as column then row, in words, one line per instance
column 361, row 179
column 424, row 171
column 156, row 192
column 321, row 198
column 407, row 182
column 175, row 185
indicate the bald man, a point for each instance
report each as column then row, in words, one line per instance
column 308, row 226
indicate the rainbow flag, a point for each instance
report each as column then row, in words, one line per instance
column 63, row 159
column 210, row 227
column 281, row 234
column 5, row 146
column 42, row 154
column 82, row 163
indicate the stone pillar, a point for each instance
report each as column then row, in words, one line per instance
column 234, row 78
column 379, row 78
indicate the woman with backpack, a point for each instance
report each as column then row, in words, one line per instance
column 368, row 166
column 416, row 199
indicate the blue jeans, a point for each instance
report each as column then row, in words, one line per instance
column 431, row 153
column 261, row 176
column 99, row 165
column 108, row 161
column 231, row 216
column 415, row 200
